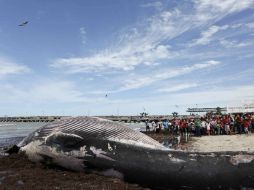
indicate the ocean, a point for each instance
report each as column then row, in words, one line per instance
column 13, row 132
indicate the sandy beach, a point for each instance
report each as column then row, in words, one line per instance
column 223, row 143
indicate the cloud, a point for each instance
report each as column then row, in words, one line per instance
column 229, row 6
column 206, row 36
column 216, row 9
column 250, row 25
column 46, row 92
column 11, row 68
column 230, row 95
column 234, row 43
column 166, row 74
column 148, row 42
column 125, row 60
column 156, row 4
column 82, row 31
column 179, row 87
column 142, row 46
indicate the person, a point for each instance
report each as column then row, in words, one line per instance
column 218, row 127
column 165, row 125
column 147, row 126
column 198, row 126
column 213, row 126
column 238, row 123
column 246, row 124
column 153, row 126
column 226, row 123
column 208, row 128
column 252, row 121
column 203, row 126
column 160, row 125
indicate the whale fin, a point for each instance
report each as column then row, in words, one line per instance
column 63, row 139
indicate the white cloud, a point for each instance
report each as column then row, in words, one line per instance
column 10, row 68
column 234, row 43
column 210, row 9
column 46, row 92
column 226, row 95
column 250, row 25
column 155, row 4
column 126, row 59
column 179, row 87
column 226, row 5
column 142, row 46
column 139, row 82
column 147, row 44
column 206, row 36
column 82, row 31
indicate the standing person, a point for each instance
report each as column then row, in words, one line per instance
column 153, row 126
column 208, row 127
column 238, row 122
column 252, row 121
column 157, row 127
column 192, row 127
column 203, row 126
column 226, row 123
column 147, row 126
column 177, row 126
column 198, row 126
column 246, row 124
column 218, row 127
column 213, row 126
column 165, row 125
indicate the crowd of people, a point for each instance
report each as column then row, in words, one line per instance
column 205, row 125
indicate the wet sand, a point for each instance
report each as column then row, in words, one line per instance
column 17, row 172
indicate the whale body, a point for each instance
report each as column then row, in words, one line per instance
column 109, row 148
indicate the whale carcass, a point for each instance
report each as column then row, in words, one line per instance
column 105, row 147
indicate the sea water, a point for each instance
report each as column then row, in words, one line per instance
column 13, row 132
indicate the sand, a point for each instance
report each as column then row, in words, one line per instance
column 223, row 143
column 17, row 172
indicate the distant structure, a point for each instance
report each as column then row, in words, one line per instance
column 207, row 110
column 30, row 119
column 245, row 108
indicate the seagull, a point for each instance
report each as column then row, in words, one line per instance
column 24, row 23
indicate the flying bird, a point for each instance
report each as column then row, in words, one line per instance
column 24, row 23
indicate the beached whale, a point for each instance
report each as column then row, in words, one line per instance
column 110, row 148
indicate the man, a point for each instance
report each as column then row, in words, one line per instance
column 198, row 126
column 147, row 126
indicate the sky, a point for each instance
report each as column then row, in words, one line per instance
column 123, row 57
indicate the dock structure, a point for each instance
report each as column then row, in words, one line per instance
column 30, row 119
column 125, row 119
column 137, row 119
column 206, row 110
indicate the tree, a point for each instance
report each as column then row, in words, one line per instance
column 144, row 114
column 218, row 110
column 175, row 114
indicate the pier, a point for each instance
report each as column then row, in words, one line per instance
column 126, row 119
column 30, row 119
